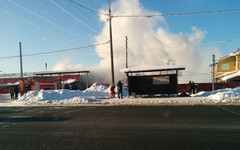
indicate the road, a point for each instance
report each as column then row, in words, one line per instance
column 120, row 127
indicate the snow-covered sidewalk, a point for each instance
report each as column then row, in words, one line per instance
column 100, row 95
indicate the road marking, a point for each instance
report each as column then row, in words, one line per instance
column 228, row 110
column 3, row 125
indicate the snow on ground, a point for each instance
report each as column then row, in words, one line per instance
column 100, row 94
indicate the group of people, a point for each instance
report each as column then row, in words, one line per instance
column 119, row 90
column 14, row 92
column 192, row 88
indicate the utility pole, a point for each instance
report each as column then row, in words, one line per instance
column 126, row 52
column 46, row 67
column 20, row 51
column 111, row 45
column 213, row 72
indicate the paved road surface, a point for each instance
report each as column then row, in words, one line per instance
column 120, row 127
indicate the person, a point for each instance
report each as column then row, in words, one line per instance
column 119, row 85
column 11, row 92
column 16, row 92
column 190, row 88
column 112, row 91
column 193, row 88
column 196, row 88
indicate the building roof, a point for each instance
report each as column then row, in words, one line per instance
column 230, row 55
column 59, row 72
column 153, row 68
column 232, row 76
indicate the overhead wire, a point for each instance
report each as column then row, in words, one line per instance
column 65, row 50
column 218, row 42
column 86, row 15
column 57, row 51
column 23, row 20
column 98, row 12
column 179, row 14
column 35, row 14
column 36, row 26
column 88, row 8
column 209, row 43
column 73, row 16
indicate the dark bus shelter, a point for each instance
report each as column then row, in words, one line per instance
column 153, row 80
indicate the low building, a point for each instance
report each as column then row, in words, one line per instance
column 43, row 80
column 227, row 68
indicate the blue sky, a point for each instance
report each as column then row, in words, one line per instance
column 41, row 26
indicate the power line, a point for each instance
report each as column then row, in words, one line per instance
column 65, row 50
column 76, row 18
column 210, row 43
column 44, row 19
column 23, row 20
column 73, row 16
column 57, row 51
column 179, row 14
column 36, row 26
column 86, row 15
column 88, row 8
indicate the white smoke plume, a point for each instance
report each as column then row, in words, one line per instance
column 150, row 43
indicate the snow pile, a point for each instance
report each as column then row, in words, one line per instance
column 227, row 95
column 91, row 95
column 100, row 94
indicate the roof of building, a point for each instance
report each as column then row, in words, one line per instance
column 153, row 68
column 59, row 72
column 232, row 76
column 229, row 55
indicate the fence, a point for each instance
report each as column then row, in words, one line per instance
column 208, row 86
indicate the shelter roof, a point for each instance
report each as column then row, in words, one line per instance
column 153, row 68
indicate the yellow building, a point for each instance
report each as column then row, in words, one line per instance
column 228, row 68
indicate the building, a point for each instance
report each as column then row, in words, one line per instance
column 227, row 68
column 44, row 80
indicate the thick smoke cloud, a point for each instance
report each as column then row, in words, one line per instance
column 150, row 43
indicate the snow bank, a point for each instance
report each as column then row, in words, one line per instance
column 100, row 94
column 222, row 96
column 91, row 95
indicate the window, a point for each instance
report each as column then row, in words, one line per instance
column 225, row 66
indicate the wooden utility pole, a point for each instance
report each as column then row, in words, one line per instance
column 20, row 51
column 126, row 52
column 46, row 67
column 111, row 45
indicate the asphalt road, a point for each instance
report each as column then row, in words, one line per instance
column 120, row 127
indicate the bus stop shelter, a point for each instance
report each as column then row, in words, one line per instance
column 153, row 80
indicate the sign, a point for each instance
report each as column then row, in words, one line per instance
column 213, row 60
column 160, row 80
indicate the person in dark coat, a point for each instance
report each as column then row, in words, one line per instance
column 11, row 92
column 119, row 85
column 16, row 91
column 196, row 87
column 193, row 88
column 190, row 88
